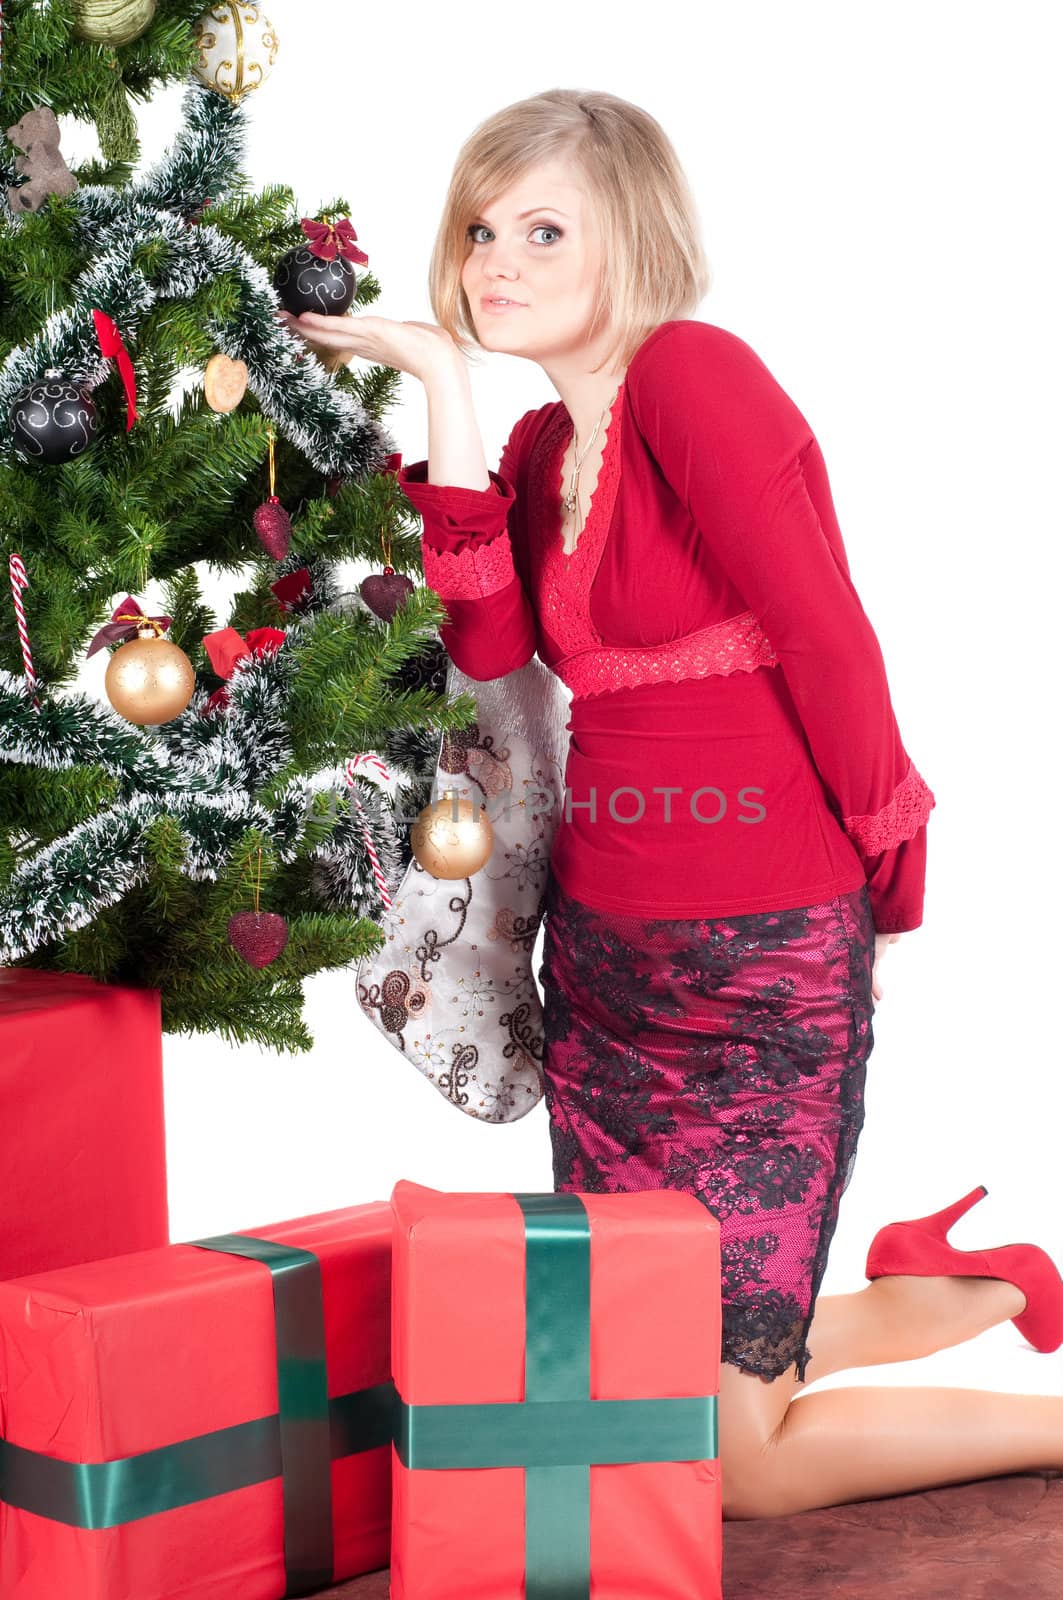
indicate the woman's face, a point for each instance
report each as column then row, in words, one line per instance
column 548, row 261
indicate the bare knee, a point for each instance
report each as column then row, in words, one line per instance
column 750, row 1422
column 752, row 1487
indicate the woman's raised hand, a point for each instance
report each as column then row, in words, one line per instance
column 413, row 347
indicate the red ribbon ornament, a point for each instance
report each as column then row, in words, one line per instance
column 292, row 589
column 126, row 621
column 226, row 647
column 331, row 239
column 110, row 342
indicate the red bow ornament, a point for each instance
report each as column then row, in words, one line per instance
column 226, row 647
column 126, row 622
column 292, row 590
column 110, row 343
column 331, row 239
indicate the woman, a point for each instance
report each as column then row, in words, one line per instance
column 744, row 831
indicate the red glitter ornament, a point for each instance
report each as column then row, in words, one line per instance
column 274, row 528
column 258, row 936
column 384, row 592
column 272, row 523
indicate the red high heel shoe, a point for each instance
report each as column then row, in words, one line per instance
column 919, row 1247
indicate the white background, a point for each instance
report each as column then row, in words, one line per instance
column 878, row 187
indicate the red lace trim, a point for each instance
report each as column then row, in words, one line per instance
column 737, row 644
column 902, row 816
column 565, row 580
column 588, row 665
column 469, row 574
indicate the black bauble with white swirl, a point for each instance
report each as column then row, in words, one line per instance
column 306, row 282
column 54, row 420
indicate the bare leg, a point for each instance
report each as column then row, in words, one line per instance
column 857, row 1444
column 860, row 1444
column 900, row 1318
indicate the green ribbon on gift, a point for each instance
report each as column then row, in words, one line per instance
column 557, row 1432
column 303, row 1409
column 298, row 1442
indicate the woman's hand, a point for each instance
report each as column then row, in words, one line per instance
column 413, row 347
column 881, row 941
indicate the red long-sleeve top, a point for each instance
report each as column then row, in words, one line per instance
column 733, row 746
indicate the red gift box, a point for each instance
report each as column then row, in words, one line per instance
column 83, row 1173
column 187, row 1422
column 556, row 1362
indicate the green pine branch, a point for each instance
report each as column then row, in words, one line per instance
column 125, row 851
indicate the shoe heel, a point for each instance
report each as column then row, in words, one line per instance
column 918, row 1245
column 938, row 1223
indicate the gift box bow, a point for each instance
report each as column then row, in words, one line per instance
column 297, row 1442
column 557, row 1432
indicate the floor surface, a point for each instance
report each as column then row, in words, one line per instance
column 996, row 1539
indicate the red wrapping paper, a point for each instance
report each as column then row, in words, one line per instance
column 83, row 1173
column 458, row 1318
column 111, row 1358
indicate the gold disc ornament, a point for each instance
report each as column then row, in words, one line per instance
column 149, row 679
column 224, row 382
column 113, row 21
column 452, row 838
column 237, row 48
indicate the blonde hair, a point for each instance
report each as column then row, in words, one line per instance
column 653, row 266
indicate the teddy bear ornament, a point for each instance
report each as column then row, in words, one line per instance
column 41, row 162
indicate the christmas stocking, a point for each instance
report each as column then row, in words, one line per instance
column 452, row 987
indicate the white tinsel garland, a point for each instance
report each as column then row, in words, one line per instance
column 202, row 771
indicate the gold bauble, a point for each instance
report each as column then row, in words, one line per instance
column 149, row 680
column 452, row 838
column 237, row 47
column 113, row 21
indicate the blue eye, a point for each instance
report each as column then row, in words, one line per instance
column 549, row 227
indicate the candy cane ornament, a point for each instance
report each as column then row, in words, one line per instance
column 20, row 581
column 369, row 761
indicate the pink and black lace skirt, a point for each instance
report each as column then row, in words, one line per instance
column 724, row 1056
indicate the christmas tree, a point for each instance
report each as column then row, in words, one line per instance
column 158, row 423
